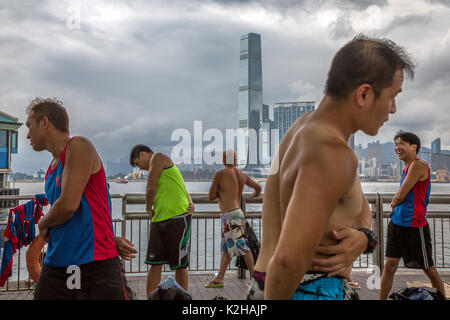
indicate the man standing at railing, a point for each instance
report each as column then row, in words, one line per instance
column 78, row 226
column 227, row 186
column 170, row 209
column 313, row 200
column 408, row 235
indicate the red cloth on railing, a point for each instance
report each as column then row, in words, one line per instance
column 20, row 231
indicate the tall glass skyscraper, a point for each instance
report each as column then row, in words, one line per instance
column 250, row 98
column 286, row 113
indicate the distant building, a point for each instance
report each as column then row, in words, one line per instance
column 436, row 146
column 351, row 142
column 374, row 151
column 385, row 170
column 442, row 175
column 440, row 162
column 39, row 175
column 9, row 127
column 286, row 113
column 250, row 98
column 265, row 113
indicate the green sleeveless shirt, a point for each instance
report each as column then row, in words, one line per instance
column 170, row 199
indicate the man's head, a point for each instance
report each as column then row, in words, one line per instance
column 370, row 73
column 229, row 158
column 45, row 116
column 140, row 156
column 407, row 145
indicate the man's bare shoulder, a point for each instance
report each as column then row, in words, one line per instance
column 80, row 146
column 419, row 166
column 319, row 139
column 162, row 159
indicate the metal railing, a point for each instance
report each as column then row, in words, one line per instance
column 134, row 224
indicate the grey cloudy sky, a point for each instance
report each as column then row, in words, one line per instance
column 135, row 71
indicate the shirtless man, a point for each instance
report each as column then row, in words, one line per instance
column 228, row 185
column 313, row 196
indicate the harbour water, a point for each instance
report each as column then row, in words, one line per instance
column 202, row 231
column 32, row 188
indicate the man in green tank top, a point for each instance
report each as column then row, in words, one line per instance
column 169, row 207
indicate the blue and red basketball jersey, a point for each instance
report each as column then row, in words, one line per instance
column 412, row 212
column 88, row 235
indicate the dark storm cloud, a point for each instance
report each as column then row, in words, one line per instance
column 138, row 77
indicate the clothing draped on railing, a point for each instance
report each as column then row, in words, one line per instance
column 20, row 231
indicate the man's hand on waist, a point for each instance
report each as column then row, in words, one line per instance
column 351, row 244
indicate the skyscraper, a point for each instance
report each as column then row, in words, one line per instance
column 285, row 114
column 250, row 96
column 436, row 146
column 374, row 151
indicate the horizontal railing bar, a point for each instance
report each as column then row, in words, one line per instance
column 196, row 215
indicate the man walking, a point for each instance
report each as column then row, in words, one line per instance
column 78, row 226
column 227, row 186
column 408, row 231
column 313, row 201
column 170, row 208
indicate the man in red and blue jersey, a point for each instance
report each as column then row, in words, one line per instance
column 78, row 227
column 408, row 235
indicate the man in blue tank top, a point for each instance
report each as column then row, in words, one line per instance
column 82, row 250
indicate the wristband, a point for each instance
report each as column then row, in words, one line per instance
column 372, row 237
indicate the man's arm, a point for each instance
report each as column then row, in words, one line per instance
column 417, row 170
column 191, row 207
column 79, row 165
column 253, row 184
column 214, row 189
column 158, row 162
column 317, row 191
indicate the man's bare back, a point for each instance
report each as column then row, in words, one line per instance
column 297, row 150
column 228, row 185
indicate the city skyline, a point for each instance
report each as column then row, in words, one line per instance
column 133, row 72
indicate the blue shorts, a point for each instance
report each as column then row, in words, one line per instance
column 319, row 287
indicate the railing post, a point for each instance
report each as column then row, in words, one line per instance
column 124, row 211
column 241, row 273
column 378, row 254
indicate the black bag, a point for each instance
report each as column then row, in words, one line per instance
column 253, row 243
column 169, row 294
column 417, row 293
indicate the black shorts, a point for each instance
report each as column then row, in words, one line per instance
column 170, row 242
column 99, row 280
column 413, row 244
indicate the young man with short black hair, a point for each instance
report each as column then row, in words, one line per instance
column 408, row 231
column 170, row 209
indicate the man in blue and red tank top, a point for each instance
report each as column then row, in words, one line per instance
column 82, row 260
column 408, row 235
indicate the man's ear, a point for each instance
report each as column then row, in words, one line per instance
column 363, row 94
column 44, row 122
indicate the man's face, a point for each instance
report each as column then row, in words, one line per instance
column 141, row 161
column 385, row 104
column 405, row 150
column 35, row 133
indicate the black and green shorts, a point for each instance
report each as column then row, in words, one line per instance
column 170, row 242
